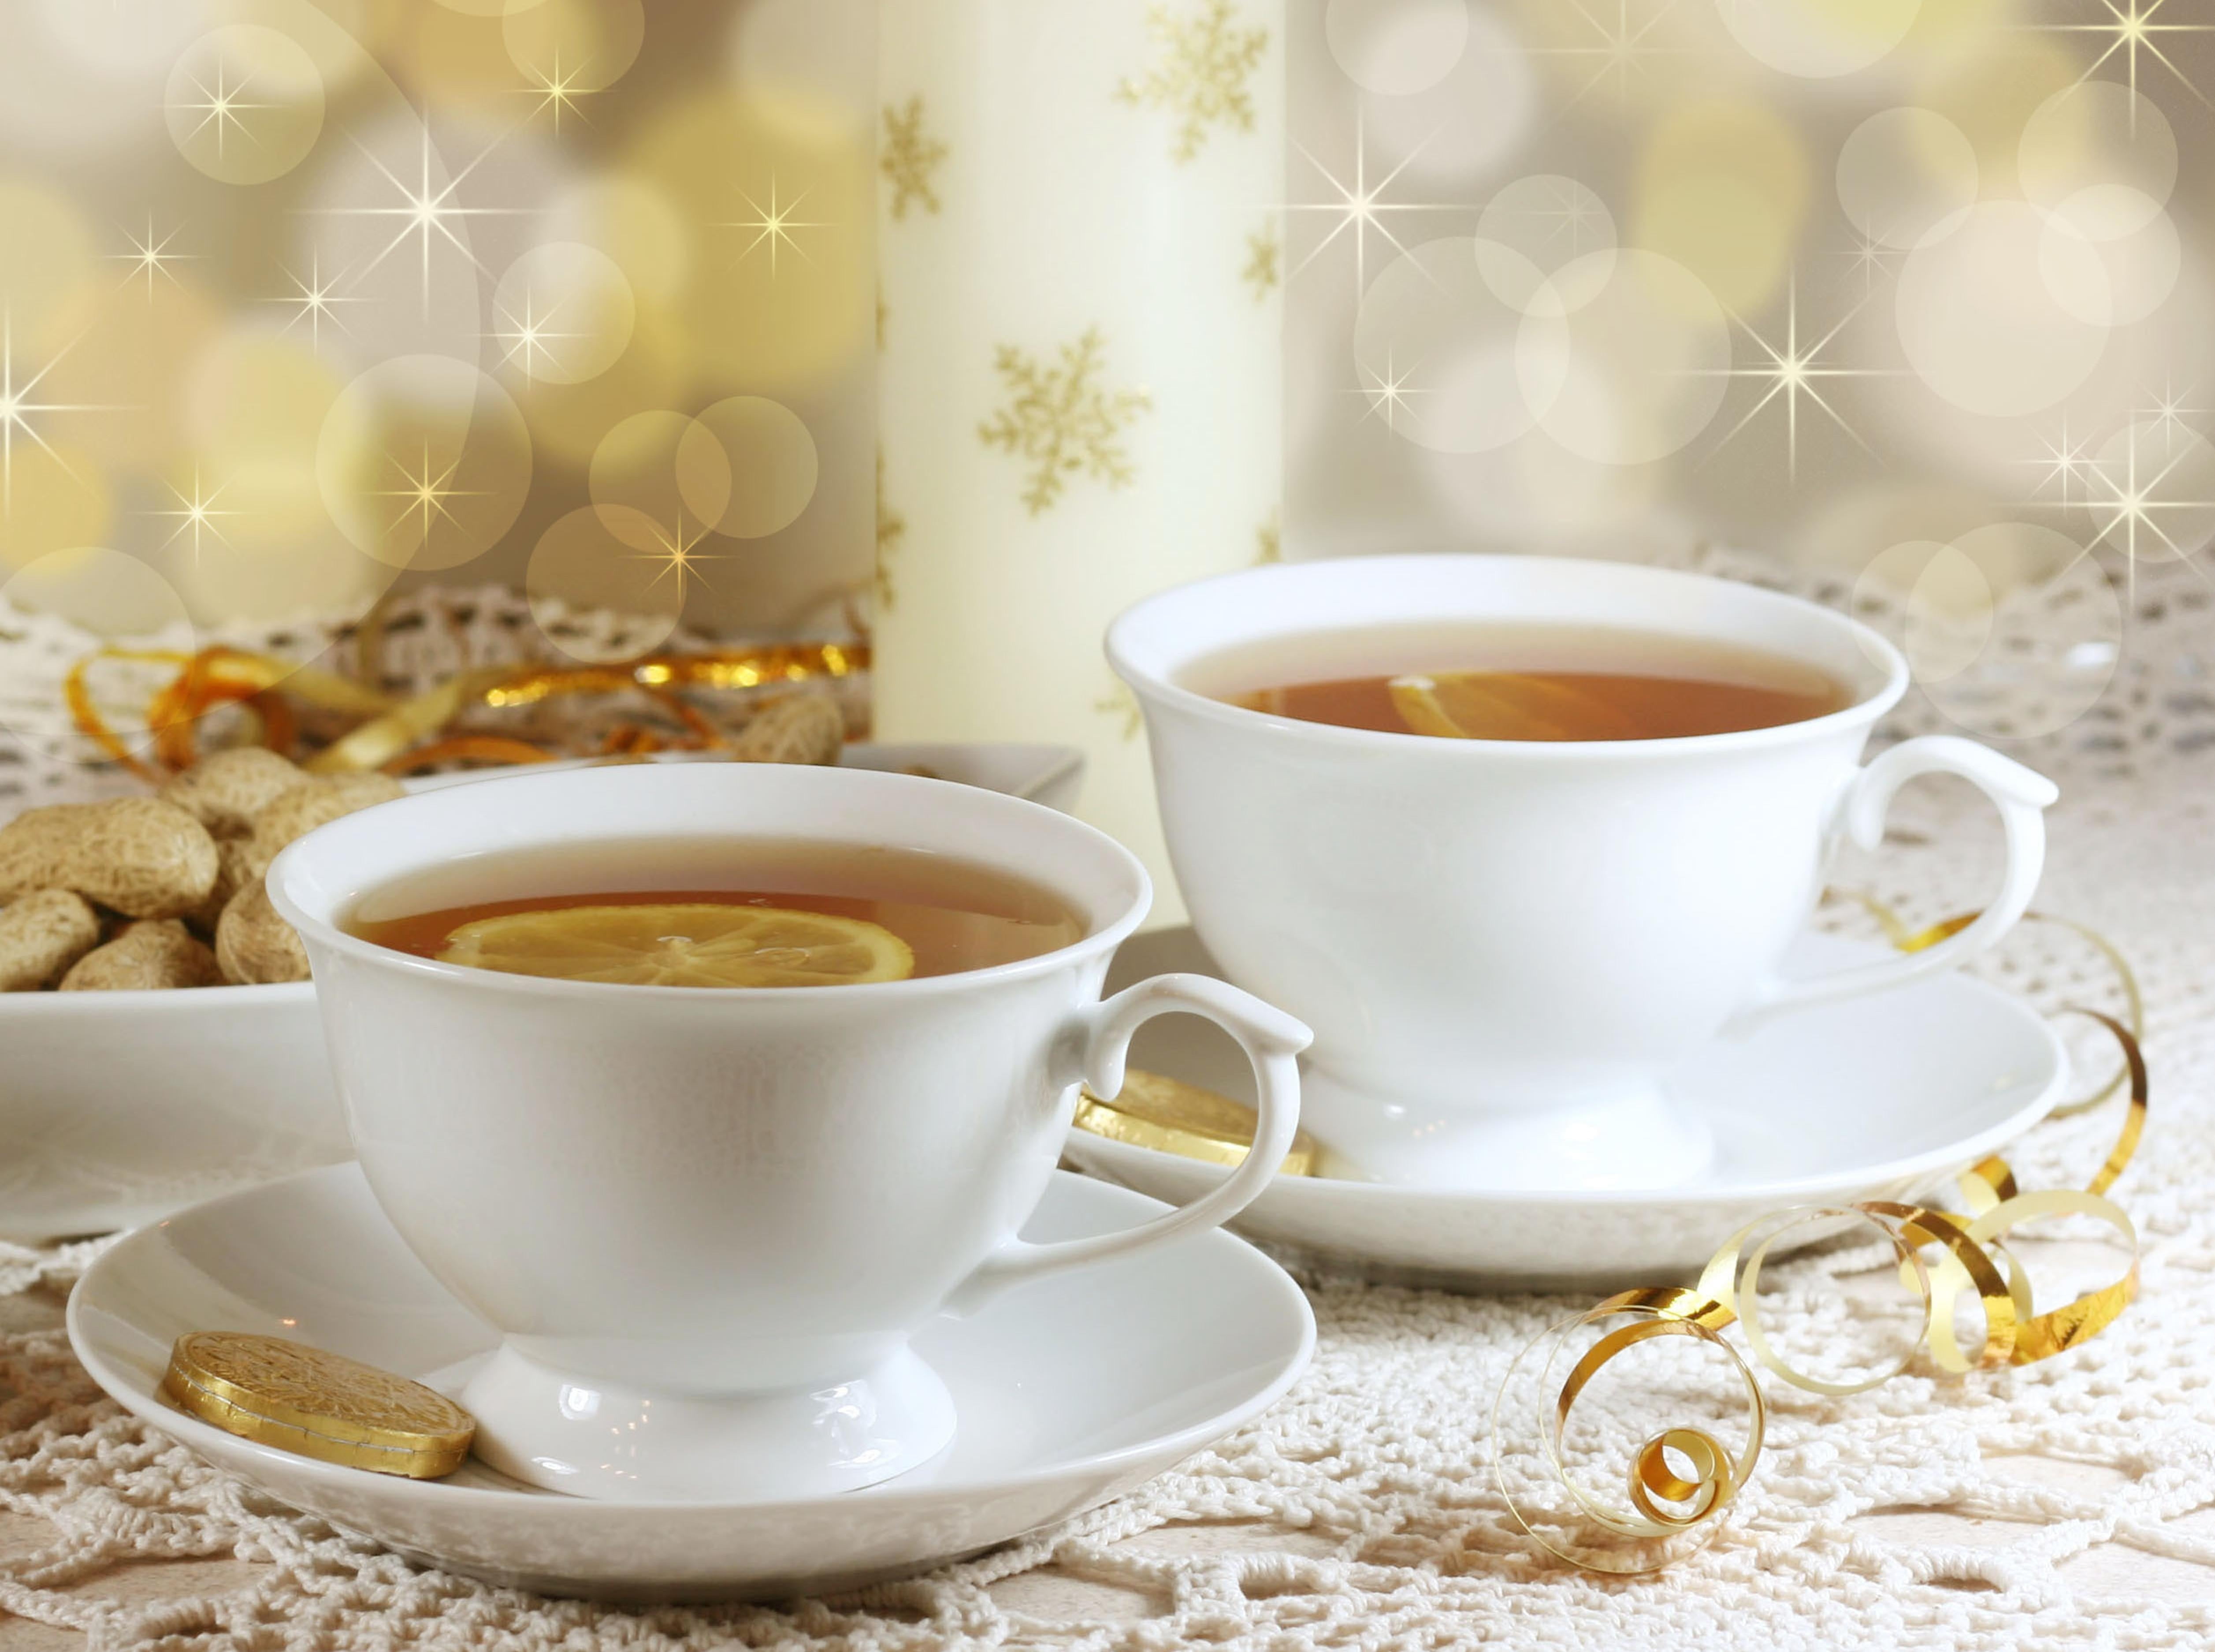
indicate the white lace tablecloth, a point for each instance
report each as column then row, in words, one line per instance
column 2070, row 1503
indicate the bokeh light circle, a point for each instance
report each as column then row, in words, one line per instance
column 2139, row 268
column 634, row 224
column 244, row 104
column 1396, row 46
column 1636, row 371
column 562, row 313
column 591, row 559
column 105, row 592
column 772, row 461
column 1904, row 172
column 1723, row 186
column 2098, row 133
column 1472, row 117
column 1432, row 325
column 1819, row 39
column 1533, row 228
column 58, row 498
column 1978, row 320
column 255, row 403
column 660, row 474
column 2009, row 628
column 423, row 462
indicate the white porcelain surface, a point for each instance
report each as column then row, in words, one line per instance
column 1503, row 946
column 718, row 1216
column 1872, row 1098
column 1069, row 1391
column 116, row 1108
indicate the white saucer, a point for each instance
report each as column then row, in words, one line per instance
column 1872, row 1098
column 1068, row 1391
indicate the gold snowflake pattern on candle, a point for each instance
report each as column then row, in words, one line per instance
column 909, row 158
column 1201, row 75
column 1269, row 540
column 891, row 528
column 1261, row 274
column 1061, row 419
column 1119, row 702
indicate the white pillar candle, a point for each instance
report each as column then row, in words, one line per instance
column 1080, row 388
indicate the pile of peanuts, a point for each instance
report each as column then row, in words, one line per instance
column 165, row 891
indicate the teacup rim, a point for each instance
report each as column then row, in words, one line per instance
column 326, row 931
column 1862, row 712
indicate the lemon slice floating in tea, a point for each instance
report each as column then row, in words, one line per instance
column 695, row 944
column 1503, row 705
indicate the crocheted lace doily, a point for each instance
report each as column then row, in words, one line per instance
column 1361, row 1511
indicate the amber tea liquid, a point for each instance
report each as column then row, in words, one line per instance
column 954, row 915
column 1522, row 682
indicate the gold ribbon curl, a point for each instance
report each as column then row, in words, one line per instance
column 1968, row 1256
column 393, row 732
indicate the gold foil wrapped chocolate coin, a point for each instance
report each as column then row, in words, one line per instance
column 1173, row 1117
column 316, row 1403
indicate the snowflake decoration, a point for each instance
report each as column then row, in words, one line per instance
column 1261, row 274
column 1269, row 542
column 909, row 157
column 1061, row 421
column 1201, row 77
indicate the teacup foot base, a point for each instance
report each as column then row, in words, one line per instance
column 595, row 1439
column 1637, row 1142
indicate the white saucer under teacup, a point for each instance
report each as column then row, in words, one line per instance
column 1877, row 1097
column 1070, row 1392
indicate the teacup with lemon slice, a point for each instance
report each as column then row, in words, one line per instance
column 707, row 1085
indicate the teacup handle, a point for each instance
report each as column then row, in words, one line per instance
column 2018, row 793
column 1102, row 1032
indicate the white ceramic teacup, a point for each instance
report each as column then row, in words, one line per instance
column 1504, row 947
column 707, row 1220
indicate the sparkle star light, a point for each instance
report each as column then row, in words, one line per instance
column 2064, row 462
column 312, row 300
column 676, row 554
column 219, row 108
column 1619, row 45
column 17, row 409
column 426, row 493
column 1360, row 207
column 2169, row 414
column 429, row 213
column 773, row 225
column 2127, row 501
column 196, row 514
column 151, row 257
column 2129, row 30
column 1388, row 393
column 557, row 91
column 526, row 335
column 1792, row 371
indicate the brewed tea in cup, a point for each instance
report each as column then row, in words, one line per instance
column 707, row 1085
column 1517, row 834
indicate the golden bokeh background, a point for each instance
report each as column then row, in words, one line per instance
column 1916, row 291
column 308, row 301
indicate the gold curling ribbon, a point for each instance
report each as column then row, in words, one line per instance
column 1969, row 1257
column 393, row 729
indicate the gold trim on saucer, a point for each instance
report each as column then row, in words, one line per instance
column 1171, row 1117
column 319, row 1404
